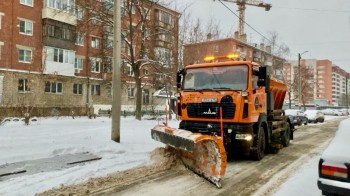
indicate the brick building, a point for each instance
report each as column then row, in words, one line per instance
column 56, row 54
column 326, row 82
column 196, row 52
column 340, row 81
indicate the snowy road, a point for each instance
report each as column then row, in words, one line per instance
column 243, row 177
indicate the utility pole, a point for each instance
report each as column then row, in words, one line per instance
column 116, row 80
column 299, row 78
column 346, row 93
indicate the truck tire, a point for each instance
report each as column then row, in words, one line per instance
column 285, row 136
column 259, row 145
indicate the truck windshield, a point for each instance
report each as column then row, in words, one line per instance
column 224, row 77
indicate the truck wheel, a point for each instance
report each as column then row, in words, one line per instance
column 259, row 145
column 285, row 136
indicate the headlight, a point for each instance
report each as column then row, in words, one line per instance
column 244, row 136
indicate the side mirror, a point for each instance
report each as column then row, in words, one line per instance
column 262, row 76
column 179, row 75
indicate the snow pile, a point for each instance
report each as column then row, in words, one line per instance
column 51, row 137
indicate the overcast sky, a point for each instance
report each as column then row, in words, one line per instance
column 321, row 27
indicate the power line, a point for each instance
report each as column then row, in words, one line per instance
column 249, row 24
column 316, row 43
column 315, row 10
column 244, row 21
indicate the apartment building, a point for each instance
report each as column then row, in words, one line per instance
column 322, row 82
column 196, row 52
column 57, row 54
column 340, row 81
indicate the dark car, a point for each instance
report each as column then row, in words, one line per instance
column 297, row 117
column 334, row 164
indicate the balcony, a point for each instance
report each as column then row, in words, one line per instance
column 163, row 25
column 59, row 15
column 107, row 76
column 163, row 44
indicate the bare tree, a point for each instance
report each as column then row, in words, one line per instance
column 278, row 49
column 307, row 84
column 137, row 42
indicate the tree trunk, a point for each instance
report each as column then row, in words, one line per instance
column 290, row 99
column 138, row 99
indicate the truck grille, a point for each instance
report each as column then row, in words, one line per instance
column 210, row 110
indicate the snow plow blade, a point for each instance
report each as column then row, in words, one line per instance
column 203, row 154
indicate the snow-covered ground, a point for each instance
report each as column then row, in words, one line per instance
column 50, row 137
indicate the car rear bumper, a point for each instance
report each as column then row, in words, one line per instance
column 333, row 186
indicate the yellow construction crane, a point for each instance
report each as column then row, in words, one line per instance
column 241, row 8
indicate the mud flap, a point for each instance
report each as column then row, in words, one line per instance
column 203, row 154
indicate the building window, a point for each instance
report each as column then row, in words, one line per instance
column 216, row 48
column 159, row 76
column 145, row 97
column 131, row 92
column 64, row 5
column 79, row 39
column 27, row 2
column 26, row 27
column 95, row 42
column 109, row 42
column 108, row 6
column 164, row 35
column 58, row 32
column 66, row 34
column 1, row 44
column 60, row 55
column 1, row 14
column 77, row 89
column 133, row 50
column 145, row 72
column 108, row 65
column 79, row 12
column 95, row 19
column 50, row 30
column 78, row 65
column 130, row 71
column 147, row 13
column 24, row 56
column 95, row 89
column 53, row 87
column 95, row 65
column 164, row 17
column 163, row 55
column 132, row 8
column 23, row 85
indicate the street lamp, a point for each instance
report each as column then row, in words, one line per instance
column 346, row 94
column 299, row 80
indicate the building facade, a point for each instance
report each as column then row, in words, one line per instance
column 57, row 54
column 322, row 83
column 196, row 52
column 340, row 82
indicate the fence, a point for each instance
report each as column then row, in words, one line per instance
column 42, row 111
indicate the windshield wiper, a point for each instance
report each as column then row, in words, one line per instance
column 189, row 89
column 209, row 89
column 222, row 88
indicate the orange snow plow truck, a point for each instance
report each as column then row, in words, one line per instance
column 226, row 107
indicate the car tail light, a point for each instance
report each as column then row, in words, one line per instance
column 335, row 171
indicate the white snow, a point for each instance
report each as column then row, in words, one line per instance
column 50, row 137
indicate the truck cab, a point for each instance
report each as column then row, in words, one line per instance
column 235, row 99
